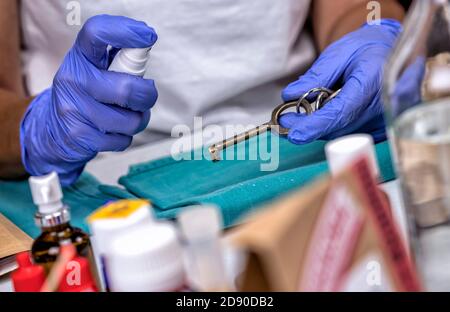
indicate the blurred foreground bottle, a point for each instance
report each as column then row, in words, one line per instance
column 417, row 106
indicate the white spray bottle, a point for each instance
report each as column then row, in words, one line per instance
column 131, row 61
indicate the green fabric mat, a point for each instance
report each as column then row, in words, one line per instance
column 83, row 198
column 236, row 186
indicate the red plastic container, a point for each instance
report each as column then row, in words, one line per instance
column 28, row 277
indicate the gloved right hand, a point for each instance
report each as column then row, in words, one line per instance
column 88, row 109
column 355, row 62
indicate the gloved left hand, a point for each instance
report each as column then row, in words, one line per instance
column 356, row 61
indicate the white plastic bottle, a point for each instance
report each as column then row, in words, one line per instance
column 53, row 217
column 111, row 221
column 147, row 258
column 131, row 61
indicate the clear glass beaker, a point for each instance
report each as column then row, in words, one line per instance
column 417, row 106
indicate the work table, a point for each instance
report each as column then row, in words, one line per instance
column 108, row 167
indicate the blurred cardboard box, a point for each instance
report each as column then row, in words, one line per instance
column 335, row 235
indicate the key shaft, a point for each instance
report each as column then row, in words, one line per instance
column 216, row 149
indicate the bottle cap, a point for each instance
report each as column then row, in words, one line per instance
column 131, row 61
column 342, row 152
column 46, row 192
column 200, row 223
column 28, row 277
column 147, row 258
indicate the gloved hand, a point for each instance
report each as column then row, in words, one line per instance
column 88, row 109
column 356, row 62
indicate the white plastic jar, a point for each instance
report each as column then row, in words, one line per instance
column 146, row 259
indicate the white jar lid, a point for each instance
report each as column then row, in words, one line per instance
column 342, row 152
column 147, row 258
column 116, row 218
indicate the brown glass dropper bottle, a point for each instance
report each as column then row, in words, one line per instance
column 53, row 217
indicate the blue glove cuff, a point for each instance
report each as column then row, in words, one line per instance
column 44, row 96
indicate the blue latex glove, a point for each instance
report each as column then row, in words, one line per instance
column 356, row 62
column 88, row 109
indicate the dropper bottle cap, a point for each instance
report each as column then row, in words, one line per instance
column 47, row 195
column 131, row 61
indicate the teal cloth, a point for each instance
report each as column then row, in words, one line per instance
column 236, row 186
column 83, row 198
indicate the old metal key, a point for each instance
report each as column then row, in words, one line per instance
column 324, row 96
column 273, row 124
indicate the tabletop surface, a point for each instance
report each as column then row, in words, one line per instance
column 108, row 167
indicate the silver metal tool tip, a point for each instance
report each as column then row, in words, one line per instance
column 214, row 153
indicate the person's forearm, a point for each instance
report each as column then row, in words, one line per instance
column 334, row 19
column 10, row 67
column 12, row 100
column 12, row 109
